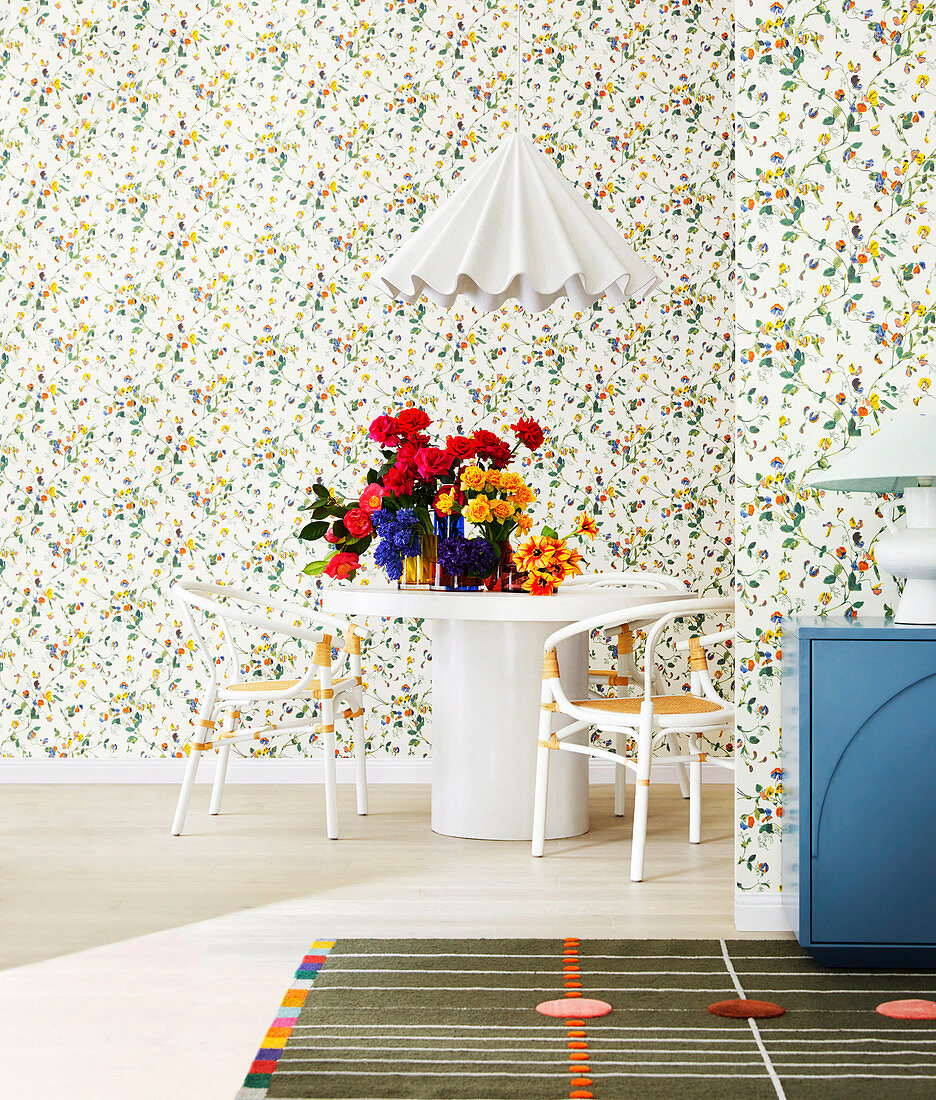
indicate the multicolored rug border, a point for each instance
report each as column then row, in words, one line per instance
column 257, row 1082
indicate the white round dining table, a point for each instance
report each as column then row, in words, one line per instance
column 487, row 660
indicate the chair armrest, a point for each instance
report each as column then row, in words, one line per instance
column 648, row 612
column 707, row 639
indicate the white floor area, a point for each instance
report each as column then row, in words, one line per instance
column 178, row 1013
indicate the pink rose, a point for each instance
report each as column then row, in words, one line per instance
column 358, row 523
column 431, row 462
column 386, row 431
column 342, row 565
column 331, row 537
column 371, row 499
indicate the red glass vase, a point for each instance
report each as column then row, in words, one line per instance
column 506, row 577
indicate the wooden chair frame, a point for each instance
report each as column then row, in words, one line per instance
column 328, row 685
column 645, row 718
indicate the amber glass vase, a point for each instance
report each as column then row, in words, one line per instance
column 419, row 570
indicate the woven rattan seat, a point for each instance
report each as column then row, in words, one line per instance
column 262, row 685
column 662, row 704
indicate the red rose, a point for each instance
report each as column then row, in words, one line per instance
column 398, row 481
column 529, row 433
column 371, row 498
column 331, row 537
column 432, row 462
column 386, row 431
column 358, row 523
column 491, row 447
column 342, row 565
column 406, row 457
column 460, row 447
column 412, row 421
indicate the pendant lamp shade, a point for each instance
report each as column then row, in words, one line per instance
column 516, row 228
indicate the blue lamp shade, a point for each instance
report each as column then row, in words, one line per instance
column 897, row 457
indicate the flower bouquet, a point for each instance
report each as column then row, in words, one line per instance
column 417, row 502
column 546, row 560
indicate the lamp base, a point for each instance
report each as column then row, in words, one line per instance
column 917, row 605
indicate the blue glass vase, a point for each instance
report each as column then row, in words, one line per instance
column 448, row 527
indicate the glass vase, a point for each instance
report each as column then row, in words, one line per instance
column 419, row 570
column 449, row 527
column 506, row 577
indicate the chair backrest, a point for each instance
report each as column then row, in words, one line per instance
column 652, row 618
column 227, row 606
column 627, row 578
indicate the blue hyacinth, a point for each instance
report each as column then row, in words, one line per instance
column 399, row 538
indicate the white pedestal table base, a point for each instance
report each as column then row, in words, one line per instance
column 486, row 682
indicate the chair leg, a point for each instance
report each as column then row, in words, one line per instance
column 695, row 796
column 191, row 769
column 224, row 752
column 620, row 776
column 331, row 787
column 360, row 761
column 681, row 776
column 539, row 800
column 642, row 794
column 541, row 790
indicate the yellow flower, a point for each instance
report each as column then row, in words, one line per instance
column 524, row 495
column 492, row 480
column 585, row 525
column 524, row 523
column 478, row 511
column 473, row 477
column 501, row 509
column 445, row 504
column 510, row 481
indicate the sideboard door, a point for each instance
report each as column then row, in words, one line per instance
column 873, row 771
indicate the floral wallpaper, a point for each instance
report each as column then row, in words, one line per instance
column 194, row 201
column 835, row 314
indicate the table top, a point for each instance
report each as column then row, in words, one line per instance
column 562, row 607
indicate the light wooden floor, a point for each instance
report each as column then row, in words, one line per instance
column 199, row 935
column 89, row 865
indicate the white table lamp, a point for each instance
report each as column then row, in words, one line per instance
column 899, row 458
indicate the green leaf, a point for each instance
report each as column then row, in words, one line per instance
column 314, row 530
column 315, row 568
column 550, row 533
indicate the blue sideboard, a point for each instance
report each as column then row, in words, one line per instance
column 859, row 782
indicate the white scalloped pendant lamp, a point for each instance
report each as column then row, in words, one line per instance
column 516, row 228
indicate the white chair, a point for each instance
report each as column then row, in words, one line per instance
column 318, row 686
column 626, row 672
column 648, row 718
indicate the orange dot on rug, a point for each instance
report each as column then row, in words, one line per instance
column 908, row 1010
column 581, row 1008
column 746, row 1010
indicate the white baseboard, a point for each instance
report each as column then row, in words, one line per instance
column 760, row 913
column 272, row 770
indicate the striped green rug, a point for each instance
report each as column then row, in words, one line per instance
column 438, row 1019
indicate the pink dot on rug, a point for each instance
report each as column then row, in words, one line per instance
column 581, row 1008
column 908, row 1010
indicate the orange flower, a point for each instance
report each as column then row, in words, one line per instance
column 478, row 510
column 585, row 525
column 523, row 495
column 535, row 554
column 501, row 509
